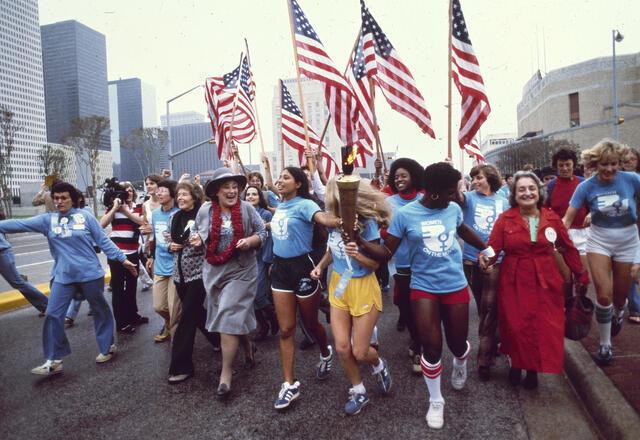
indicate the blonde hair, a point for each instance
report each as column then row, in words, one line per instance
column 606, row 147
column 371, row 203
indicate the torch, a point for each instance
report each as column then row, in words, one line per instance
column 348, row 191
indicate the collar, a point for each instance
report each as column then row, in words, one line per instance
column 409, row 196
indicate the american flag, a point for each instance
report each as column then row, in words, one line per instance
column 235, row 88
column 314, row 63
column 293, row 133
column 466, row 75
column 376, row 57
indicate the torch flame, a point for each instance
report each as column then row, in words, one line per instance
column 352, row 156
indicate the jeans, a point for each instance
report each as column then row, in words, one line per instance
column 634, row 300
column 10, row 273
column 54, row 339
column 73, row 309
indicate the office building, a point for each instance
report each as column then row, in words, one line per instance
column 192, row 151
column 182, row 118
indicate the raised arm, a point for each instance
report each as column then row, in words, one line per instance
column 38, row 223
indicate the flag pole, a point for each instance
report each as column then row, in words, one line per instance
column 295, row 57
column 281, row 135
column 376, row 134
column 234, row 149
column 254, row 103
column 449, row 152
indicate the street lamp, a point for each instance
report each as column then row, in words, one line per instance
column 616, row 37
column 170, row 155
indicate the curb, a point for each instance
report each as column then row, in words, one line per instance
column 13, row 299
column 612, row 414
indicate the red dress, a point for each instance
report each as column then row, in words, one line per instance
column 530, row 292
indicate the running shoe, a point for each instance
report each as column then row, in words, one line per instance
column 458, row 376
column 384, row 378
column 435, row 415
column 324, row 366
column 288, row 393
column 604, row 355
column 68, row 323
column 102, row 358
column 49, row 368
column 356, row 402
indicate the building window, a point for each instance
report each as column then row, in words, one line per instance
column 574, row 110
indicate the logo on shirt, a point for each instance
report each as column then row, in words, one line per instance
column 437, row 240
column 161, row 229
column 279, row 229
column 484, row 217
column 611, row 205
column 337, row 245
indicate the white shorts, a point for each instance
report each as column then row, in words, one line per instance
column 579, row 239
column 620, row 243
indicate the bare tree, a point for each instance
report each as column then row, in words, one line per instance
column 53, row 161
column 147, row 145
column 85, row 136
column 8, row 128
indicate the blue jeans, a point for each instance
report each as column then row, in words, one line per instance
column 10, row 273
column 634, row 300
column 73, row 309
column 54, row 339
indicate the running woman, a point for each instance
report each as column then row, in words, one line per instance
column 292, row 233
column 439, row 292
column 356, row 306
column 406, row 183
column 481, row 208
column 613, row 238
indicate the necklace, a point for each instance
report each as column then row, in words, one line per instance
column 212, row 256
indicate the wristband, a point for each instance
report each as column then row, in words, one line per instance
column 488, row 252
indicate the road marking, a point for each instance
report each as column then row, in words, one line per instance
column 31, row 253
column 35, row 264
column 28, row 245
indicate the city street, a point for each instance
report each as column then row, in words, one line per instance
column 130, row 398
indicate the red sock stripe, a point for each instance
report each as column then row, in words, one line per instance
column 430, row 371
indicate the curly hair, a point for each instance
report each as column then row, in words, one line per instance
column 170, row 185
column 491, row 173
column 604, row 148
column 564, row 154
column 414, row 169
column 371, row 202
column 440, row 176
column 531, row 175
column 257, row 174
column 196, row 192
column 61, row 187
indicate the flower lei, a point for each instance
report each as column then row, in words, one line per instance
column 214, row 235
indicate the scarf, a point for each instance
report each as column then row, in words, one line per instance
column 179, row 231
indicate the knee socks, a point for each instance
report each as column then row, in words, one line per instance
column 604, row 314
column 462, row 360
column 431, row 374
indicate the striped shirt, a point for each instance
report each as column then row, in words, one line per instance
column 125, row 233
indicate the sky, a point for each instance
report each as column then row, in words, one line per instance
column 174, row 45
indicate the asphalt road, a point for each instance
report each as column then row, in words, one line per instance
column 129, row 397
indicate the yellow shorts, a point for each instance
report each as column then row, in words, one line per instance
column 360, row 295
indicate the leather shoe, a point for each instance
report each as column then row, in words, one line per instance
column 223, row 391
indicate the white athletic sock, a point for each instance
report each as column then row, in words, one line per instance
column 360, row 389
column 431, row 374
column 462, row 360
column 377, row 368
column 604, row 314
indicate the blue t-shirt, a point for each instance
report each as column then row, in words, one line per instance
column 480, row 213
column 272, row 199
column 265, row 254
column 336, row 245
column 505, row 191
column 160, row 221
column 435, row 255
column 612, row 205
column 402, row 254
column 292, row 227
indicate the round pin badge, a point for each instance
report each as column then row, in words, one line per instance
column 64, row 220
column 550, row 234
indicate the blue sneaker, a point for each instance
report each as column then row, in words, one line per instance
column 324, row 366
column 384, row 378
column 288, row 393
column 356, row 402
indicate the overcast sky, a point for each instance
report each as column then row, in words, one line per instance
column 174, row 44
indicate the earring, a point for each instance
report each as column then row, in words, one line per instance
column 437, row 196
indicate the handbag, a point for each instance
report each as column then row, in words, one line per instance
column 578, row 317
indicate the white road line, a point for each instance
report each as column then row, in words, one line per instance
column 35, row 264
column 40, row 243
column 33, row 252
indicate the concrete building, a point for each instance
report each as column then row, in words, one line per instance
column 493, row 141
column 182, row 118
column 573, row 106
column 192, row 151
column 22, row 86
column 132, row 105
column 317, row 113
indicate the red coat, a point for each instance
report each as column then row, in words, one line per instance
column 530, row 293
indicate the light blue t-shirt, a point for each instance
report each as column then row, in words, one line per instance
column 435, row 255
column 505, row 191
column 480, row 213
column 611, row 205
column 292, row 227
column 336, row 245
column 272, row 199
column 396, row 202
column 160, row 221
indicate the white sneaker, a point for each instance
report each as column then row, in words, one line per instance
column 435, row 415
column 102, row 358
column 458, row 376
column 49, row 368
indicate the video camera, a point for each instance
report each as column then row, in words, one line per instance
column 113, row 190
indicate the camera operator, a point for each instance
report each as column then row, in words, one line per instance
column 125, row 218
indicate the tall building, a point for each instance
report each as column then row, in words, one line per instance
column 192, row 151
column 74, row 59
column 22, row 86
column 182, row 118
column 132, row 104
